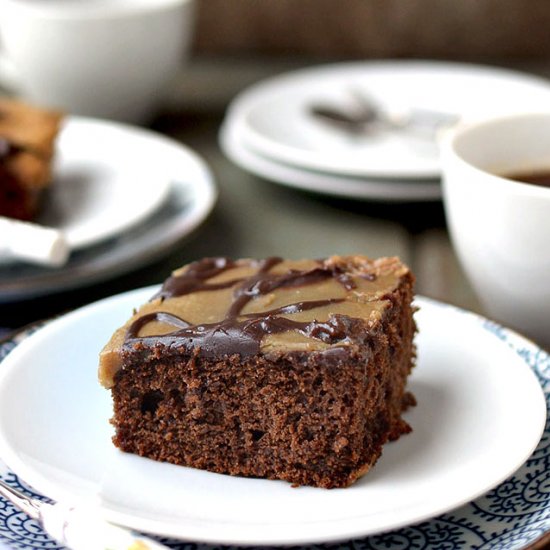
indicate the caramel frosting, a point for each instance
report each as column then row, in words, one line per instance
column 223, row 307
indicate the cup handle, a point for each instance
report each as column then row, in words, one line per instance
column 8, row 72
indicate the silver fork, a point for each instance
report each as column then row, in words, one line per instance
column 368, row 116
column 30, row 506
column 77, row 528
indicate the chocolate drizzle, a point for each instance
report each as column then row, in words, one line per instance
column 195, row 277
column 240, row 333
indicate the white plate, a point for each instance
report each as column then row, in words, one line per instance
column 107, row 178
column 192, row 195
column 231, row 142
column 277, row 124
column 480, row 414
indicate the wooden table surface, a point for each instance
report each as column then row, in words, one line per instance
column 255, row 218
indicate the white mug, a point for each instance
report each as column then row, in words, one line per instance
column 501, row 228
column 102, row 58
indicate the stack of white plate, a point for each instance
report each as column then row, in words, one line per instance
column 270, row 129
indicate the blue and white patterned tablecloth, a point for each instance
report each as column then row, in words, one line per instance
column 511, row 516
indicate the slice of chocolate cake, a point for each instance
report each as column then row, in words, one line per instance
column 291, row 370
column 27, row 139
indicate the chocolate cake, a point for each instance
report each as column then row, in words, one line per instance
column 291, row 370
column 27, row 139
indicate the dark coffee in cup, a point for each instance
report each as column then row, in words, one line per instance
column 535, row 177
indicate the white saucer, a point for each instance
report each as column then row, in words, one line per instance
column 180, row 172
column 231, row 142
column 480, row 414
column 107, row 178
column 276, row 122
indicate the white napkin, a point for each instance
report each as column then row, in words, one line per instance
column 32, row 243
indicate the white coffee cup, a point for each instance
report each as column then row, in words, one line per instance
column 101, row 58
column 501, row 228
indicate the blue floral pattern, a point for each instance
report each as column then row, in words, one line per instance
column 509, row 517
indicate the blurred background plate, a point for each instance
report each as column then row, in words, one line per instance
column 191, row 196
column 107, row 178
column 378, row 189
column 277, row 122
